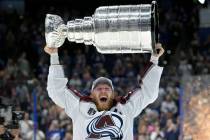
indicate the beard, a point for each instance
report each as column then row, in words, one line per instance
column 104, row 105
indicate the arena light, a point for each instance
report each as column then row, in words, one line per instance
column 202, row 1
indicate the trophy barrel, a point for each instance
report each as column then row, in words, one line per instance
column 123, row 29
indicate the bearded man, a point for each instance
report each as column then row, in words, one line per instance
column 103, row 115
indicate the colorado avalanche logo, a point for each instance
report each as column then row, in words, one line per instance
column 105, row 126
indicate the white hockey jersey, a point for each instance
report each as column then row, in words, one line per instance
column 91, row 124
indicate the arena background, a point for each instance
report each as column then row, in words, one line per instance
column 180, row 112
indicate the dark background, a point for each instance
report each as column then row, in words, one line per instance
column 24, row 65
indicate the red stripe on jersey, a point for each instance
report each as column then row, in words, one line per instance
column 146, row 69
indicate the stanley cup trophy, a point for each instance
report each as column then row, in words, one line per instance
column 112, row 29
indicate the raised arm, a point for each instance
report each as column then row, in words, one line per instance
column 56, row 85
column 149, row 86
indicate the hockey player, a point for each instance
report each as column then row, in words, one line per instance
column 102, row 115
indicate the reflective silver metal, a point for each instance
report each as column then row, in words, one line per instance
column 112, row 29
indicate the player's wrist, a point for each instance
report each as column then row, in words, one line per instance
column 154, row 59
column 54, row 58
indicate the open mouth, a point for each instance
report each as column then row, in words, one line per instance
column 103, row 99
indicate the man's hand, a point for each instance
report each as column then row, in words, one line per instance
column 50, row 50
column 159, row 50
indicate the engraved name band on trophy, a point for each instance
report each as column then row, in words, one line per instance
column 111, row 29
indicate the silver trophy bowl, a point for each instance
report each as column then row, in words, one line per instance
column 111, row 29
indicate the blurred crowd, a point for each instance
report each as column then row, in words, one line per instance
column 24, row 69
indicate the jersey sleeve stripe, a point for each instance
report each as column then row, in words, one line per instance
column 124, row 99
